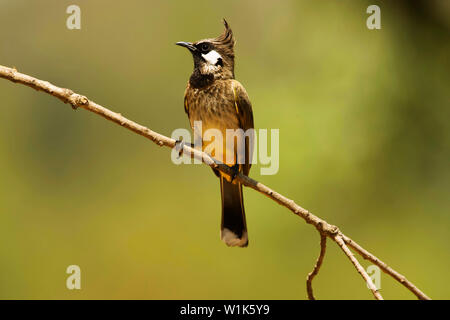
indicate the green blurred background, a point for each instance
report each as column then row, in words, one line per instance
column 364, row 143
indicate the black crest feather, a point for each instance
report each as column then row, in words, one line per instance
column 225, row 45
column 226, row 40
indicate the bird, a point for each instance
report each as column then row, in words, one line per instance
column 214, row 97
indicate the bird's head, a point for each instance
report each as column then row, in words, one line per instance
column 214, row 57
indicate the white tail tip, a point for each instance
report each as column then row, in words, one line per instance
column 232, row 240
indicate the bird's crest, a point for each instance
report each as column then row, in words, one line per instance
column 225, row 40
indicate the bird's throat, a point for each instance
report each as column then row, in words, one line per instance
column 199, row 80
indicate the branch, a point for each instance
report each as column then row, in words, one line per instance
column 312, row 274
column 386, row 269
column 358, row 267
column 78, row 101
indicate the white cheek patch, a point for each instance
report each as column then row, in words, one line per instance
column 212, row 57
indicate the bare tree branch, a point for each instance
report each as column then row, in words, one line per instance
column 361, row 271
column 324, row 228
column 312, row 274
column 383, row 266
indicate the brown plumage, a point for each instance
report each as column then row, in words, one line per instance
column 220, row 102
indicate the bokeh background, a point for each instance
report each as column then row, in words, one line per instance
column 364, row 143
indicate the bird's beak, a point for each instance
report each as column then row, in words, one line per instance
column 186, row 45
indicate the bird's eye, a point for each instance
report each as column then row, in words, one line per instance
column 205, row 47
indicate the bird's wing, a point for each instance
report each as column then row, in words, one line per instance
column 245, row 116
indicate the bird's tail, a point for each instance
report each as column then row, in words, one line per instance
column 234, row 228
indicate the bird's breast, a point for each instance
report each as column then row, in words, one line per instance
column 214, row 106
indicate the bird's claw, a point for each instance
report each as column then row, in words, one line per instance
column 235, row 172
column 179, row 147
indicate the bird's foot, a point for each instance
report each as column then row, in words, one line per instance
column 179, row 147
column 235, row 172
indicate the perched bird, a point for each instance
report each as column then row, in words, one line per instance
column 220, row 102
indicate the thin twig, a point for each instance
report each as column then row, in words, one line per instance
column 315, row 271
column 79, row 101
column 386, row 269
column 358, row 267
